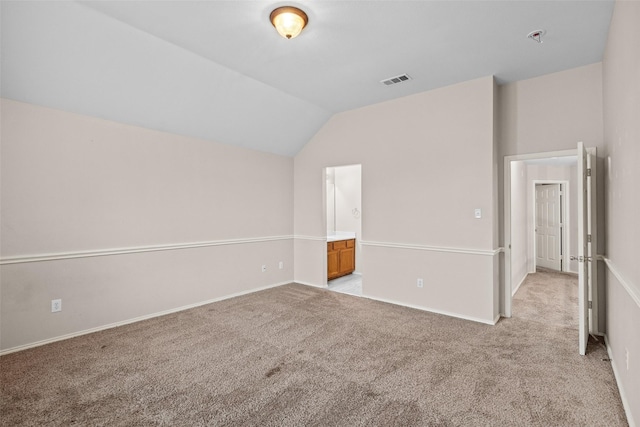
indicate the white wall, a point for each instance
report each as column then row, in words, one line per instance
column 519, row 225
column 331, row 200
column 73, row 184
column 621, row 82
column 427, row 162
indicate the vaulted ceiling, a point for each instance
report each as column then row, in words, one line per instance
column 218, row 70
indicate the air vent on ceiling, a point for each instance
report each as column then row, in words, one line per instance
column 397, row 79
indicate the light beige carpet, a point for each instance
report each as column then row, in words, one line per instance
column 296, row 355
column 548, row 297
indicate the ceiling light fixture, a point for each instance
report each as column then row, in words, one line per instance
column 536, row 35
column 289, row 21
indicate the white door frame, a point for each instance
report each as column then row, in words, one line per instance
column 585, row 274
column 325, row 220
column 564, row 217
column 507, row 286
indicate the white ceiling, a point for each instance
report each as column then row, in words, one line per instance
column 218, row 70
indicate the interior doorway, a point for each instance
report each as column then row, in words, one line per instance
column 343, row 220
column 542, row 200
column 520, row 261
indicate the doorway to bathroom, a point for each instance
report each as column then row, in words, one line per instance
column 343, row 213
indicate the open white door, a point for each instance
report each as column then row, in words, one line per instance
column 584, row 207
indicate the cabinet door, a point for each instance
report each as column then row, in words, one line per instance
column 333, row 263
column 347, row 260
column 340, row 244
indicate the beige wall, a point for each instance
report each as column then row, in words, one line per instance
column 519, row 225
column 621, row 82
column 73, row 184
column 427, row 163
column 552, row 112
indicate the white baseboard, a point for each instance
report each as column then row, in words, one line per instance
column 623, row 397
column 136, row 319
column 311, row 284
column 431, row 310
column 513, row 292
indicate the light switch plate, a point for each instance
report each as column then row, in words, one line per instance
column 477, row 213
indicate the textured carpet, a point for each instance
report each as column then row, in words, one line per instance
column 296, row 355
column 548, row 297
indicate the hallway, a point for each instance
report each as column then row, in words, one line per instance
column 548, row 297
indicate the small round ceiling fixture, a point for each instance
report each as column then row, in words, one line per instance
column 536, row 35
column 289, row 21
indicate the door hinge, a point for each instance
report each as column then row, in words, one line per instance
column 588, row 238
column 590, row 304
column 589, row 172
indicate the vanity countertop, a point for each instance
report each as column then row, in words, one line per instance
column 340, row 235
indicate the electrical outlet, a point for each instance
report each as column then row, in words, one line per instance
column 420, row 283
column 264, row 268
column 56, row 305
column 281, row 265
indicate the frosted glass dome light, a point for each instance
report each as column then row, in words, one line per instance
column 289, row 21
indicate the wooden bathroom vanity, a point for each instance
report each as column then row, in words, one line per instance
column 341, row 258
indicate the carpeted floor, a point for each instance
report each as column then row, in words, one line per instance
column 296, row 355
column 548, row 297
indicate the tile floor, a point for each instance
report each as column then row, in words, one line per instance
column 350, row 284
